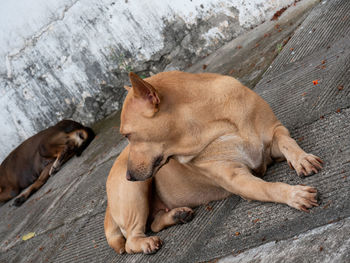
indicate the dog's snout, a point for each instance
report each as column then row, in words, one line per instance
column 143, row 172
column 129, row 176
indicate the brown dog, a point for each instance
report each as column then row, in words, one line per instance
column 40, row 156
column 216, row 134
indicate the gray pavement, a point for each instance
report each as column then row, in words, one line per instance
column 319, row 244
column 67, row 213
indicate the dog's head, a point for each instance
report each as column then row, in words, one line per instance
column 146, row 121
column 81, row 136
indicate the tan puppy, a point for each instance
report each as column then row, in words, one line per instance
column 216, row 134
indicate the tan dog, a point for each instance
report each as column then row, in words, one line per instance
column 216, row 134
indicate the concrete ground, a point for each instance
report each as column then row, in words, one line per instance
column 279, row 60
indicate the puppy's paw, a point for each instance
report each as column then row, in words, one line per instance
column 147, row 245
column 182, row 215
column 306, row 164
column 302, row 197
column 19, row 201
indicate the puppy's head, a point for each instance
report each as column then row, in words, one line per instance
column 147, row 124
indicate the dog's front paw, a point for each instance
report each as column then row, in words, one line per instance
column 19, row 201
column 302, row 197
column 306, row 164
column 147, row 245
column 151, row 245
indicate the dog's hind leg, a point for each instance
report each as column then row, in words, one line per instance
column 113, row 234
column 34, row 187
column 283, row 146
column 179, row 215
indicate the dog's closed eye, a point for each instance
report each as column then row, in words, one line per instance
column 81, row 135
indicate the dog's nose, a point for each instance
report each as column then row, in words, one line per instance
column 129, row 176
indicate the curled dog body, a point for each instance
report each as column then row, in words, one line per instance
column 195, row 138
column 40, row 156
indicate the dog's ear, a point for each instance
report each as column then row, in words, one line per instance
column 127, row 88
column 144, row 90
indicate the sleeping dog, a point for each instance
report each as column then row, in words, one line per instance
column 40, row 156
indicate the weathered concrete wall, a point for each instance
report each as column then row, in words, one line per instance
column 70, row 58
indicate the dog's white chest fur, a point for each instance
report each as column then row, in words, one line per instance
column 233, row 148
column 184, row 159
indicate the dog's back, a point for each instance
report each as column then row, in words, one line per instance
column 18, row 169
